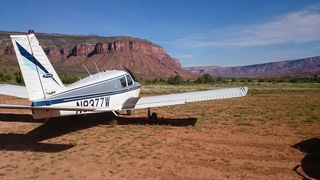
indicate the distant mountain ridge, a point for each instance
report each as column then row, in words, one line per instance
column 69, row 53
column 300, row 67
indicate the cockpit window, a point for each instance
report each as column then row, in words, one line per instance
column 129, row 79
column 123, row 82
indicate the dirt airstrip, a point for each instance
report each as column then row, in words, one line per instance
column 260, row 136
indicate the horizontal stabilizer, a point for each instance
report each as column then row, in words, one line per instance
column 14, row 106
column 14, row 90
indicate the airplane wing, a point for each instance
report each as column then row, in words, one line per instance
column 14, row 90
column 135, row 102
column 182, row 98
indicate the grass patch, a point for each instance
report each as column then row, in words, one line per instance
column 313, row 106
column 113, row 123
column 244, row 123
column 313, row 117
column 226, row 159
column 250, row 166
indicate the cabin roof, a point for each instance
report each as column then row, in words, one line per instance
column 104, row 75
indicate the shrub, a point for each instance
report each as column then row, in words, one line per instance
column 206, row 78
column 113, row 123
column 175, row 80
column 8, row 77
column 19, row 78
column 219, row 79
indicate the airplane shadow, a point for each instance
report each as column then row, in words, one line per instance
column 310, row 164
column 26, row 118
column 55, row 127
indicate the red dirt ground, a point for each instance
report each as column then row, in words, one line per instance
column 263, row 136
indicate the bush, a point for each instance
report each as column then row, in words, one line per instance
column 175, row 80
column 19, row 78
column 113, row 123
column 68, row 78
column 219, row 79
column 206, row 78
column 8, row 77
column 1, row 76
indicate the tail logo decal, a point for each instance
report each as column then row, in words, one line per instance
column 48, row 75
column 34, row 61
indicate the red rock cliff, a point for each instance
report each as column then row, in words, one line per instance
column 69, row 52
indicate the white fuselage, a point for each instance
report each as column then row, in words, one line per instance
column 106, row 90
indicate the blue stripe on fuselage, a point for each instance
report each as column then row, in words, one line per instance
column 69, row 99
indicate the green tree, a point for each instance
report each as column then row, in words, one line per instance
column 176, row 80
column 68, row 78
column 19, row 78
column 8, row 77
column 219, row 79
column 1, row 76
column 155, row 81
column 206, row 78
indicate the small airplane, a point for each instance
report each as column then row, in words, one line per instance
column 106, row 91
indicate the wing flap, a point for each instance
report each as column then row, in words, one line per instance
column 182, row 98
column 14, row 90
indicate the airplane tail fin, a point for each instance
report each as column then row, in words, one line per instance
column 39, row 76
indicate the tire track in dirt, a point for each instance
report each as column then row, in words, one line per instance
column 234, row 154
column 246, row 167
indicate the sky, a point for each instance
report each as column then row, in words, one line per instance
column 197, row 32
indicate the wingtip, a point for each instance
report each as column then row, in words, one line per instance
column 244, row 90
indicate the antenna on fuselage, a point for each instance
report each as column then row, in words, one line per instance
column 86, row 69
column 97, row 68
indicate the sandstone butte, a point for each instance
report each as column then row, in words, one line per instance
column 144, row 58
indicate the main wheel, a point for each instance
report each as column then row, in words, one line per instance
column 129, row 112
column 153, row 117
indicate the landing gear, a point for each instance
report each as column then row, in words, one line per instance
column 153, row 116
column 149, row 112
column 129, row 112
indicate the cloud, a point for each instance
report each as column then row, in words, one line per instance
column 295, row 27
column 187, row 56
